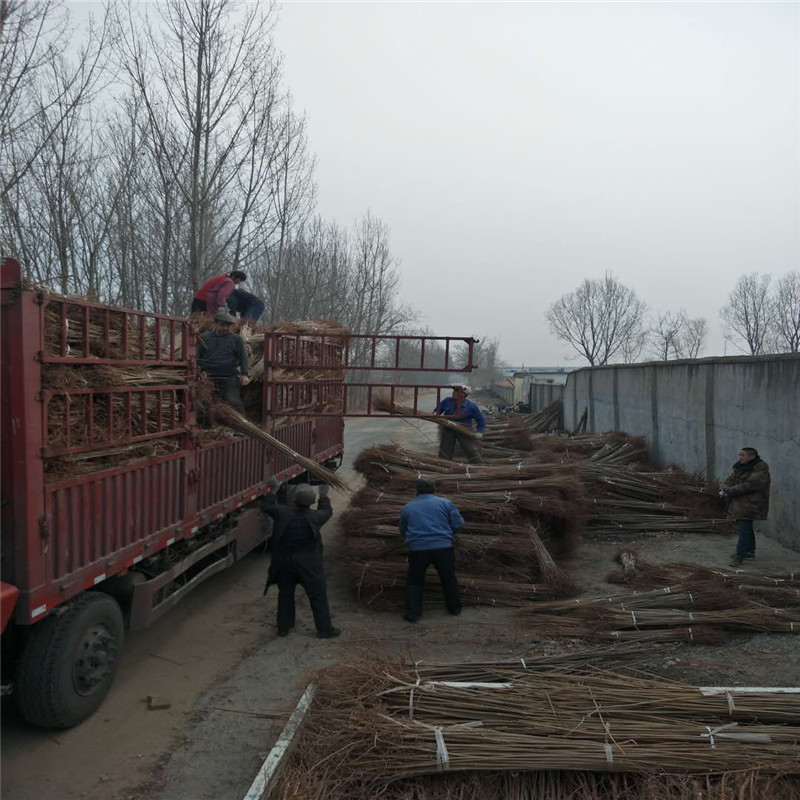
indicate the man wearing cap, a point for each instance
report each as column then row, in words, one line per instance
column 222, row 355
column 214, row 293
column 297, row 555
column 463, row 411
column 430, row 523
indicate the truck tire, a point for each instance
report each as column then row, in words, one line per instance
column 69, row 662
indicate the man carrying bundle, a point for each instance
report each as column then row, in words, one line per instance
column 297, row 555
column 462, row 411
column 430, row 524
column 214, row 293
column 220, row 353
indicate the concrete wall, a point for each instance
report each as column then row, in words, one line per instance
column 542, row 395
column 699, row 413
column 504, row 391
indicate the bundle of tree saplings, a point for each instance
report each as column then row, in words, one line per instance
column 554, row 785
column 500, row 556
column 705, row 604
column 374, row 728
column 76, row 330
column 638, row 573
column 97, row 415
column 312, row 352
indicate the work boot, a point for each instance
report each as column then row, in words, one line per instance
column 283, row 633
column 409, row 618
column 329, row 634
column 737, row 560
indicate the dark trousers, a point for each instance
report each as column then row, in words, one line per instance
column 443, row 559
column 447, row 446
column 229, row 389
column 302, row 567
column 247, row 305
column 746, row 546
column 199, row 305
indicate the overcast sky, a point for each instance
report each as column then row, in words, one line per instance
column 515, row 149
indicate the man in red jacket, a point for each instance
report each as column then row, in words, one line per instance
column 214, row 293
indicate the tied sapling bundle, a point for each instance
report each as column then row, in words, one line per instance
column 225, row 415
column 385, row 404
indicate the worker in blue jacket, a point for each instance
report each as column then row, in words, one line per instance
column 429, row 524
column 463, row 411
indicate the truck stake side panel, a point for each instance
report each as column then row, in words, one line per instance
column 63, row 537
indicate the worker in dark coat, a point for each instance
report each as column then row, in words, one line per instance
column 429, row 524
column 246, row 305
column 221, row 354
column 214, row 293
column 297, row 555
column 747, row 492
column 463, row 411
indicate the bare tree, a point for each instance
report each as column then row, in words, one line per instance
column 693, row 337
column 486, row 356
column 599, row 319
column 198, row 164
column 207, row 75
column 667, row 334
column 44, row 80
column 748, row 313
column 786, row 313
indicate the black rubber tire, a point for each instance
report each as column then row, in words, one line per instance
column 45, row 687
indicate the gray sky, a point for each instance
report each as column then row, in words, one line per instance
column 515, row 149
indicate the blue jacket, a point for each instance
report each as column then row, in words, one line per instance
column 429, row 522
column 469, row 412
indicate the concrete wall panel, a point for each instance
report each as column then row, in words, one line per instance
column 699, row 413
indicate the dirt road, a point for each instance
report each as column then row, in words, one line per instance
column 232, row 682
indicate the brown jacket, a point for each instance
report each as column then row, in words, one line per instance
column 748, row 491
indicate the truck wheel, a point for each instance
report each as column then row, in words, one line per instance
column 69, row 662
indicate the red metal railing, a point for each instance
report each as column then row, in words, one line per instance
column 335, row 399
column 81, row 332
column 80, row 420
column 371, row 352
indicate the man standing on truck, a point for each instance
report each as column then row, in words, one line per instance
column 214, row 293
column 297, row 555
column 430, row 523
column 463, row 411
column 221, row 353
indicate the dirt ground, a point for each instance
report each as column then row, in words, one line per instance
column 232, row 683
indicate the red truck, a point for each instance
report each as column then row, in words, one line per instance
column 87, row 556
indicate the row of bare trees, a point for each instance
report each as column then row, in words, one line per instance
column 762, row 315
column 159, row 146
column 604, row 321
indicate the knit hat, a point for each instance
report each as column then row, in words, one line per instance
column 305, row 496
column 223, row 316
column 425, row 486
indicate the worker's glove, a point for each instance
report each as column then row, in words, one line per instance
column 479, row 436
column 244, row 380
column 274, row 484
column 324, row 489
column 723, row 493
